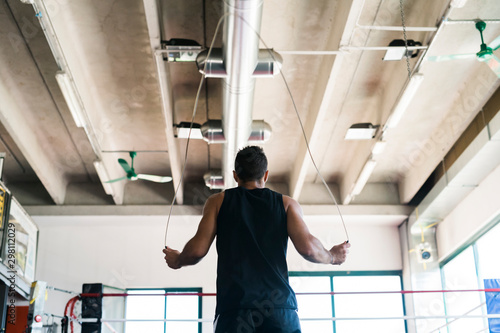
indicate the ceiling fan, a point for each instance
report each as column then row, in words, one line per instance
column 484, row 55
column 132, row 175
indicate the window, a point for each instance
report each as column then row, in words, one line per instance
column 467, row 270
column 349, row 306
column 369, row 305
column 314, row 306
column 488, row 248
column 459, row 274
column 157, row 308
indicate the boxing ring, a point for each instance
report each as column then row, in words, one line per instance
column 90, row 304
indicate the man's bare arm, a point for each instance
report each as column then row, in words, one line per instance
column 197, row 247
column 306, row 244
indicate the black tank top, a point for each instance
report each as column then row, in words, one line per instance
column 252, row 242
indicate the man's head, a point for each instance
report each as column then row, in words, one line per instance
column 250, row 164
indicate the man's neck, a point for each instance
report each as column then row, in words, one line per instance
column 251, row 185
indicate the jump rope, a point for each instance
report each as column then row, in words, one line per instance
column 296, row 112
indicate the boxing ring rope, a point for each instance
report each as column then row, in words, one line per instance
column 301, row 293
column 452, row 318
column 202, row 320
column 483, row 330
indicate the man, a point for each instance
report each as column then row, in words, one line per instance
column 252, row 225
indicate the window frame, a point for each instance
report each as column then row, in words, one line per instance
column 471, row 242
column 332, row 274
column 174, row 290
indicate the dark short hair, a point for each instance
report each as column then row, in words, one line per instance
column 250, row 163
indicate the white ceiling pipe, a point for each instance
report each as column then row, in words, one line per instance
column 240, row 49
column 152, row 13
column 394, row 28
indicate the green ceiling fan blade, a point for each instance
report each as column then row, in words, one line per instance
column 116, row 180
column 485, row 53
column 125, row 166
column 495, row 44
column 132, row 154
column 154, row 178
column 494, row 64
column 131, row 175
column 451, row 57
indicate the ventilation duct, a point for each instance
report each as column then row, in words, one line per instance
column 261, row 132
column 213, row 67
column 214, row 180
column 268, row 65
column 238, row 63
column 212, row 132
column 240, row 55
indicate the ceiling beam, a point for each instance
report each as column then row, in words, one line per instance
column 379, row 214
column 345, row 23
column 479, row 93
column 52, row 38
column 153, row 22
column 12, row 117
column 22, row 95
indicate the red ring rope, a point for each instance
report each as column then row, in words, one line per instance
column 303, row 293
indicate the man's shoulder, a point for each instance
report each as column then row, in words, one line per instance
column 288, row 201
column 217, row 197
column 286, row 198
column 214, row 202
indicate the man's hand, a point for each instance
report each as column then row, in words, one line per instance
column 197, row 247
column 339, row 253
column 172, row 258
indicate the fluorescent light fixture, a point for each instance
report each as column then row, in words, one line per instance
column 394, row 53
column 458, row 3
column 397, row 50
column 363, row 177
column 104, row 177
column 2, row 159
column 405, row 99
column 361, row 131
column 182, row 130
column 179, row 49
column 379, row 147
column 71, row 96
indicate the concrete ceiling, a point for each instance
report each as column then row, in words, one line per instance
column 107, row 47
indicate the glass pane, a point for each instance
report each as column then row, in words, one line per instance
column 460, row 273
column 313, row 306
column 182, row 307
column 488, row 248
column 113, row 308
column 368, row 305
column 145, row 307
